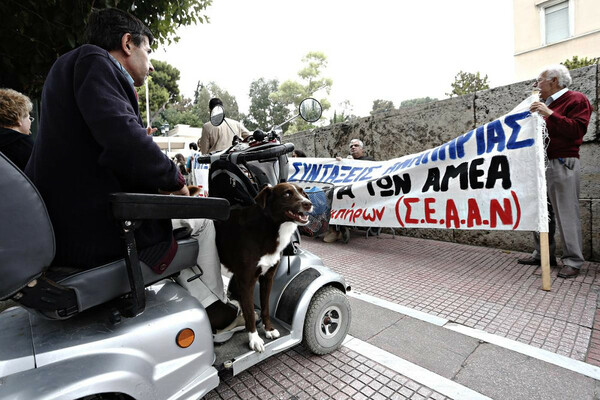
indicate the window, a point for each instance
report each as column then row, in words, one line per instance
column 556, row 18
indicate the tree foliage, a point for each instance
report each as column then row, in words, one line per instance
column 203, row 95
column 466, row 82
column 291, row 93
column 183, row 112
column 576, row 62
column 380, row 106
column 167, row 76
column 417, row 101
column 159, row 97
column 163, row 89
column 264, row 111
column 345, row 109
column 35, row 33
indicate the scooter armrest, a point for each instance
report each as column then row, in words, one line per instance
column 136, row 206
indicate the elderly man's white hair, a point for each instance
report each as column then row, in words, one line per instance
column 360, row 143
column 559, row 71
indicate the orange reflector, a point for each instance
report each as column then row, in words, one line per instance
column 185, row 338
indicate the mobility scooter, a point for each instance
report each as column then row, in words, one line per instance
column 121, row 331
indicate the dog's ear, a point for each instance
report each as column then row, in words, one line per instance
column 263, row 196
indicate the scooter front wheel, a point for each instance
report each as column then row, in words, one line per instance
column 327, row 320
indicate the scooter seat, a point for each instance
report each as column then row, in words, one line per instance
column 101, row 284
column 27, row 249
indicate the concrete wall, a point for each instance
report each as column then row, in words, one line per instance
column 411, row 130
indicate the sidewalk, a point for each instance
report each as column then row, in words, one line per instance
column 478, row 287
column 461, row 286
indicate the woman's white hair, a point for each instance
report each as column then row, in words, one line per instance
column 560, row 72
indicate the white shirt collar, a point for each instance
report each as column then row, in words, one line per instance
column 556, row 95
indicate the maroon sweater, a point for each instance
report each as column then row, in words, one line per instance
column 568, row 124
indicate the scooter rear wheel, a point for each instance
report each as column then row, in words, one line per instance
column 327, row 320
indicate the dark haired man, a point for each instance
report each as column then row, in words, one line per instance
column 90, row 119
column 217, row 138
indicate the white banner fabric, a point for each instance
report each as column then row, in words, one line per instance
column 200, row 175
column 489, row 178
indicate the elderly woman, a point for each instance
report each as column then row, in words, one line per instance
column 15, row 125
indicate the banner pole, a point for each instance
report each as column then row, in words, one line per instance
column 545, row 261
column 543, row 196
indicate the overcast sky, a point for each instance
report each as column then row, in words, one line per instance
column 377, row 49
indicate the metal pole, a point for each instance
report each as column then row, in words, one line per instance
column 147, row 105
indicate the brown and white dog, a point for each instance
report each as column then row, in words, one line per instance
column 250, row 245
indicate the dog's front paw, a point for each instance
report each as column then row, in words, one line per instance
column 274, row 334
column 255, row 342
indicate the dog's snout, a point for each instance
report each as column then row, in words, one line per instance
column 306, row 204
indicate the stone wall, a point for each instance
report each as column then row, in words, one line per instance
column 411, row 130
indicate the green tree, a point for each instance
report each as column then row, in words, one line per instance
column 380, row 106
column 576, row 62
column 265, row 112
column 291, row 93
column 466, row 82
column 162, row 88
column 159, row 97
column 418, row 100
column 345, row 113
column 167, row 76
column 206, row 92
column 35, row 33
column 183, row 112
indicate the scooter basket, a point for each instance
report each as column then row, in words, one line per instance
column 318, row 219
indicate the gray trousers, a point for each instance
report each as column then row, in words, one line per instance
column 563, row 197
column 209, row 287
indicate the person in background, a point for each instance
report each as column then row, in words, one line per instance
column 567, row 114
column 298, row 153
column 180, row 162
column 15, row 127
column 217, row 138
column 357, row 152
column 189, row 163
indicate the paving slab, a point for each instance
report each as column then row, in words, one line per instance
column 368, row 320
column 480, row 287
column 503, row 374
column 297, row 374
column 430, row 346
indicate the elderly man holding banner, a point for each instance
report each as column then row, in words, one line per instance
column 567, row 114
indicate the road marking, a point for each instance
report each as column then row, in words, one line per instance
column 432, row 319
column 544, row 355
column 412, row 371
column 540, row 354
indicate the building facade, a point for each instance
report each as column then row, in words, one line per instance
column 552, row 31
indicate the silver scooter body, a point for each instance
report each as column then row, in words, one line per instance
column 139, row 357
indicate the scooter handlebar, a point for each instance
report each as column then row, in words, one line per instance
column 244, row 156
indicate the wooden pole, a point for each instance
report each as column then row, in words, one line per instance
column 545, row 260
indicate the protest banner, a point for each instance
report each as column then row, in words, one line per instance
column 200, row 175
column 490, row 178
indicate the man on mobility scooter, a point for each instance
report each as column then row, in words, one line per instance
column 90, row 111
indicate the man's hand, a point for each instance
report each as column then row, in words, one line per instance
column 150, row 130
column 540, row 108
column 184, row 191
